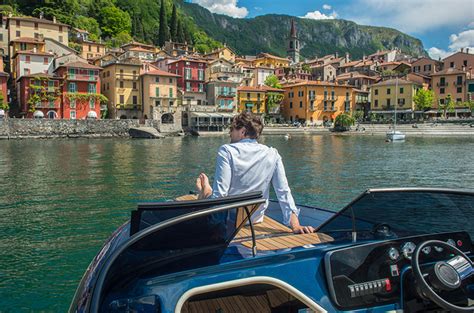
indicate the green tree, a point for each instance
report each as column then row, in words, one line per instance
column 306, row 67
column 174, row 24
column 272, row 81
column 343, row 121
column 358, row 115
column 121, row 39
column 115, row 21
column 424, row 99
column 3, row 104
column 447, row 106
column 180, row 38
column 274, row 99
column 164, row 32
column 89, row 24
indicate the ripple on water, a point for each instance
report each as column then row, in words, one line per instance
column 62, row 198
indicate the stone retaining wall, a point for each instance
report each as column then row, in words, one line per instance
column 45, row 128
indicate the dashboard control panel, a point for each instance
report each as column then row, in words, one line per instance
column 369, row 274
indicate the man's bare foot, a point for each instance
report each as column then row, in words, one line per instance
column 203, row 186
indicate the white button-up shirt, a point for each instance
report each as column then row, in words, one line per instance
column 247, row 166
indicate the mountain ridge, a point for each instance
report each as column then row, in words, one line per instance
column 317, row 37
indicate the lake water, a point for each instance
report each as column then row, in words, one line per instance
column 60, row 199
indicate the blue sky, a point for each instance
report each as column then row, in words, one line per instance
column 443, row 26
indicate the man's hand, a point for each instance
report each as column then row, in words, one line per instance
column 297, row 228
column 303, row 229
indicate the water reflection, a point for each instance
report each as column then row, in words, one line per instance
column 61, row 199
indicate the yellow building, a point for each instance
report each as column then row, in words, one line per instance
column 121, row 85
column 269, row 60
column 37, row 28
column 386, row 93
column 253, row 99
column 160, row 95
column 225, row 53
column 315, row 102
column 91, row 50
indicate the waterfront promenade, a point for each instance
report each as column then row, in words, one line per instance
column 44, row 129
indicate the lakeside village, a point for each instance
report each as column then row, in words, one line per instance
column 181, row 89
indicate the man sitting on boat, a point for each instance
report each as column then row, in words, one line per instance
column 244, row 165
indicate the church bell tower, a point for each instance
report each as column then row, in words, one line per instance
column 293, row 44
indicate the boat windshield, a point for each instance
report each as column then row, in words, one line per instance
column 399, row 213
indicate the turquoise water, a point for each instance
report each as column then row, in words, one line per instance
column 60, row 199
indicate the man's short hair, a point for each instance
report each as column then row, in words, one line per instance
column 252, row 123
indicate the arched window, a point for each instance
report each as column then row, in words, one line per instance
column 167, row 118
column 51, row 115
column 123, row 117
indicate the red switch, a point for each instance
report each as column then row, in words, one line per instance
column 388, row 285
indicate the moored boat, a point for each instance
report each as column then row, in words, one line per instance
column 398, row 250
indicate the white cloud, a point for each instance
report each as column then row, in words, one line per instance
column 326, row 7
column 317, row 15
column 258, row 8
column 464, row 40
column 226, row 7
column 436, row 53
column 410, row 16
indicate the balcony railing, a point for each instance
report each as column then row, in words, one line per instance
column 164, row 97
column 84, row 77
column 47, row 105
column 226, row 94
column 129, row 106
column 459, row 83
column 126, row 76
column 442, row 84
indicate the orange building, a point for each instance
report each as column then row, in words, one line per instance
column 315, row 102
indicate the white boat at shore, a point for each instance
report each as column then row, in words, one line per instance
column 395, row 135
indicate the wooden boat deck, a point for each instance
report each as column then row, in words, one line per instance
column 272, row 235
column 264, row 302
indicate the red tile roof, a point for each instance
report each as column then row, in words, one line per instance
column 27, row 39
column 32, row 52
column 78, row 64
column 259, row 88
column 158, row 72
column 36, row 20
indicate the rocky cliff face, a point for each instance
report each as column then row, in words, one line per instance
column 269, row 33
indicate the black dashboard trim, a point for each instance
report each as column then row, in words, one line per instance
column 327, row 258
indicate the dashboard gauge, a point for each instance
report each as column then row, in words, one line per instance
column 393, row 254
column 451, row 242
column 426, row 250
column 438, row 249
column 407, row 249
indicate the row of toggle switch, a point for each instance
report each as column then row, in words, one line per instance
column 370, row 287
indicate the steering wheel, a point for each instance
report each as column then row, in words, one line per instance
column 444, row 275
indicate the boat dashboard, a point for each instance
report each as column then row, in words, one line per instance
column 378, row 273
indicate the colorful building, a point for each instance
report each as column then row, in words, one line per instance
column 91, row 50
column 253, row 99
column 80, row 90
column 39, row 95
column 426, row 66
column 400, row 92
column 37, row 28
column 191, row 80
column 463, row 61
column 316, row 102
column 225, row 53
column 31, row 62
column 451, row 81
column 160, row 96
column 121, row 85
column 268, row 60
